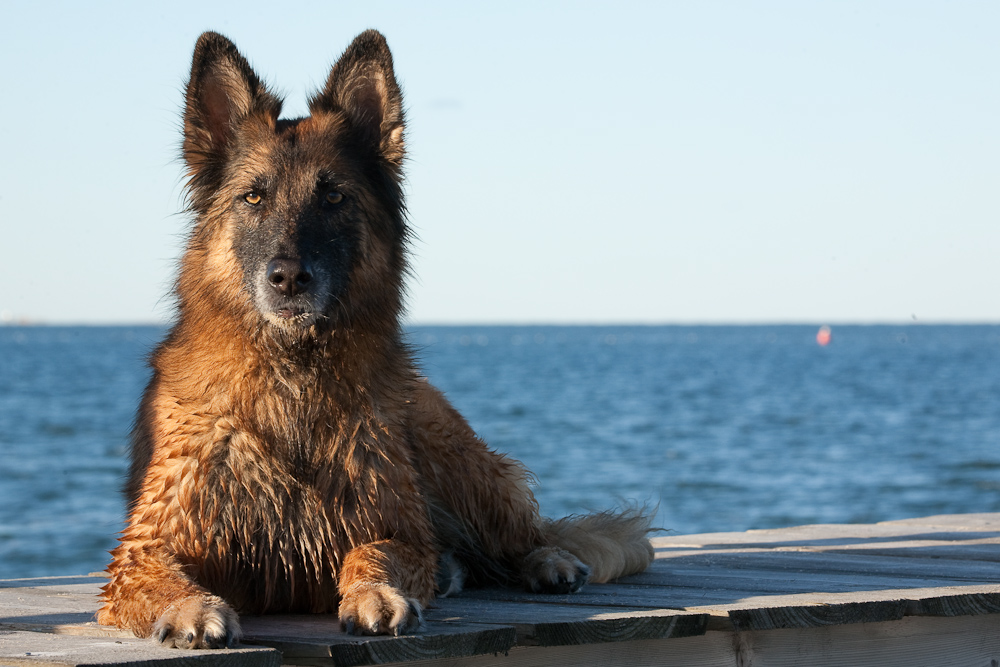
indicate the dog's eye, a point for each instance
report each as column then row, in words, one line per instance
column 252, row 198
column 334, row 197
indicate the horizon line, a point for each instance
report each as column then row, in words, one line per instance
column 27, row 323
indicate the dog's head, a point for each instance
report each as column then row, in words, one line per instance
column 300, row 223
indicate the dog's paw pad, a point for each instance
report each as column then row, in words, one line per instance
column 553, row 570
column 199, row 621
column 379, row 609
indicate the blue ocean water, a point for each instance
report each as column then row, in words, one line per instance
column 723, row 428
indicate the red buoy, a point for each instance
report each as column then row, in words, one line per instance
column 823, row 336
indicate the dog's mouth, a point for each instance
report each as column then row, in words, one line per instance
column 292, row 313
column 292, row 316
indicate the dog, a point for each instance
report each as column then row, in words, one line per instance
column 287, row 455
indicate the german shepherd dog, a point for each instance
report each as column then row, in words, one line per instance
column 287, row 455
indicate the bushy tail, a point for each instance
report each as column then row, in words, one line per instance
column 613, row 544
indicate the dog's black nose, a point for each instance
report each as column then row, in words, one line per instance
column 288, row 277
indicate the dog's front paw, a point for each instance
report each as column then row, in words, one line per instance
column 378, row 609
column 198, row 621
column 553, row 570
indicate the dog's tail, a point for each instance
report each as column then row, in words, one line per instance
column 613, row 544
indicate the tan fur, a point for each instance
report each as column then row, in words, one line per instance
column 612, row 544
column 297, row 462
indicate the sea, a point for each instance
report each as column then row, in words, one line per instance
column 713, row 428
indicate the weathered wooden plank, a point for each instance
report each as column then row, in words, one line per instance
column 888, row 565
column 942, row 642
column 605, row 630
column 817, row 610
column 607, row 595
column 467, row 608
column 981, row 550
column 728, row 596
column 551, row 625
column 914, row 546
column 712, row 650
column 972, row 521
column 318, row 640
column 782, row 577
column 960, row 604
column 38, row 649
column 61, row 582
column 949, row 527
column 816, row 615
column 65, row 624
column 56, row 598
column 60, row 605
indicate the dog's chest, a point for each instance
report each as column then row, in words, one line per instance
column 316, row 489
column 280, row 529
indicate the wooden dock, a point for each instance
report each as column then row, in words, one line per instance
column 915, row 592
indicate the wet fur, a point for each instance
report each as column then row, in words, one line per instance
column 287, row 456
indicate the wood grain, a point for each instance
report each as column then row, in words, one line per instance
column 317, row 639
column 40, row 649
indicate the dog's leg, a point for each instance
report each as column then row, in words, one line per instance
column 383, row 587
column 151, row 591
column 488, row 493
column 150, row 594
column 489, row 496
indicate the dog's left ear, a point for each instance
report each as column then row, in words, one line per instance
column 363, row 85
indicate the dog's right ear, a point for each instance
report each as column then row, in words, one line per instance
column 223, row 90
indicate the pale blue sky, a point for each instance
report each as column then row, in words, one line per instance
column 569, row 162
